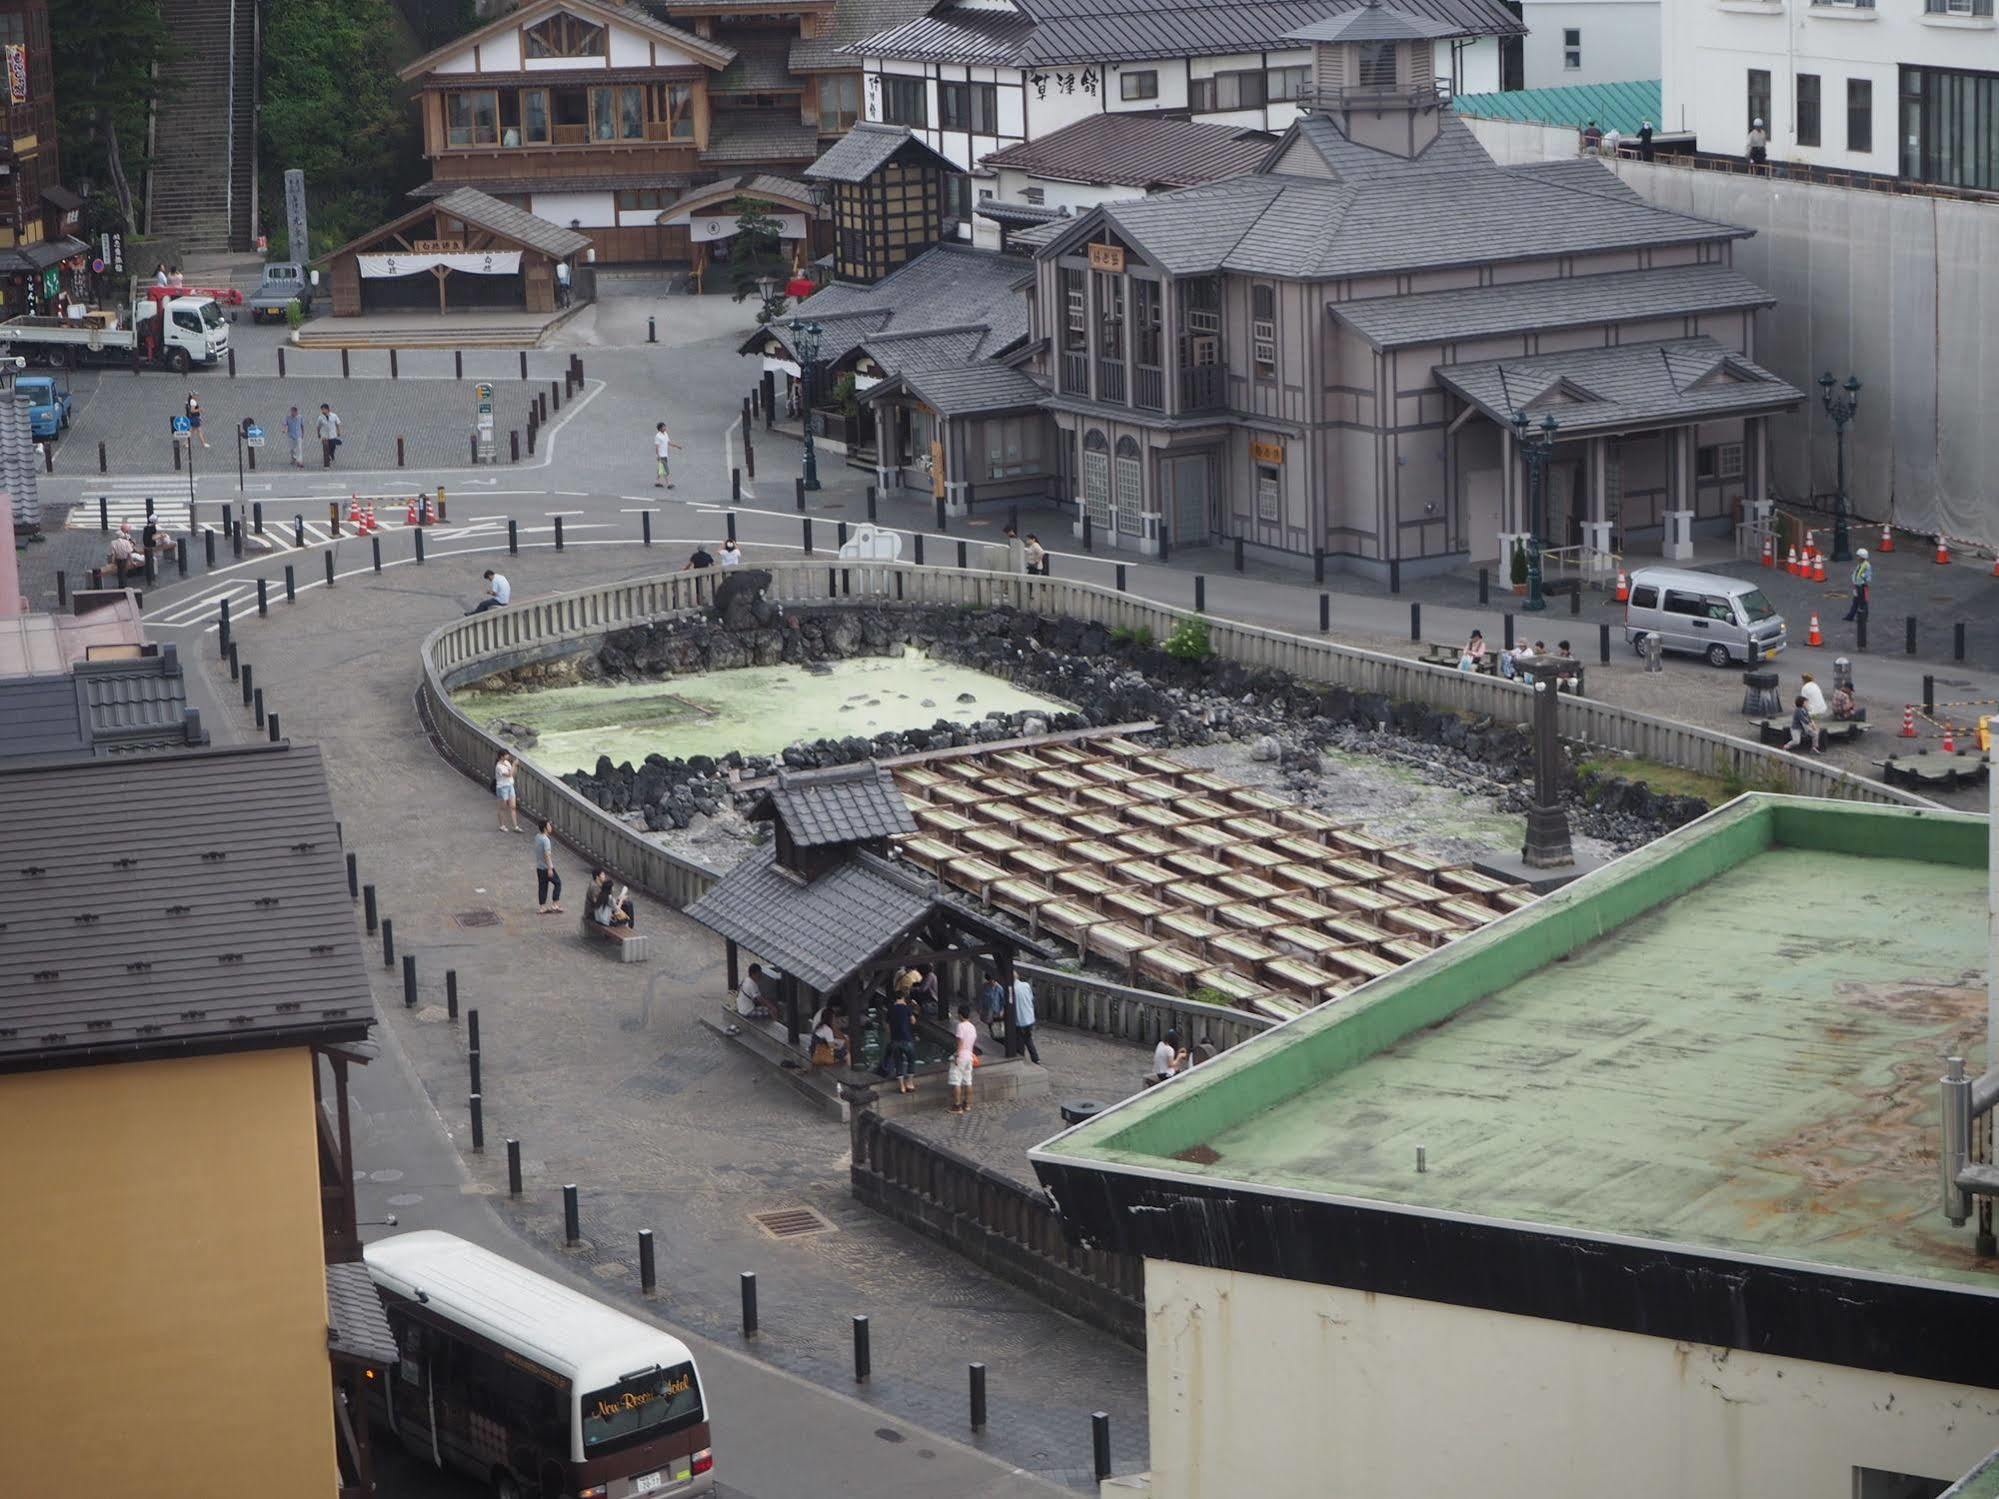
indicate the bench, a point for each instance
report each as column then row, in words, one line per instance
column 633, row 946
column 1447, row 655
column 1777, row 732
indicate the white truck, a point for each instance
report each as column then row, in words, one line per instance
column 167, row 331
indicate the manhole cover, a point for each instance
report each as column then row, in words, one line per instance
column 477, row 918
column 791, row 1223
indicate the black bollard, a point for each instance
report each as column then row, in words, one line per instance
column 524, row 364
column 458, row 364
column 275, row 735
column 1325, row 614
column 513, row 541
column 1100, row 1443
column 393, row 374
column 943, row 520
column 1603, row 643
column 513, row 1168
column 1416, row 622
column 419, row 544
column 514, row 444
column 472, row 1029
column 409, row 990
column 249, row 686
column 375, row 545
column 729, row 520
column 353, row 877
column 257, row 516
column 208, row 548
column 291, row 584
column 1509, row 632
column 471, row 1061
column 1909, row 636
column 1200, row 593
column 102, row 465
column 964, row 555
column 150, row 576
column 450, row 992
column 917, row 537
column 298, row 531
column 652, row 330
column 1088, row 540
column 978, row 1373
column 222, row 619
column 1929, row 696
column 343, row 364
column 647, row 1274
column 328, row 554
column 871, row 502
column 281, row 364
column 1484, row 586
column 474, row 1107
column 368, row 909
column 798, row 492
column 388, row 942
column 863, row 1361
column 805, row 525
column 558, row 533
column 1394, row 574
column 1120, row 577
column 1957, row 641
column 735, row 486
column 103, row 513
column 1165, row 550
column 263, row 598
column 1318, row 564
column 180, row 554
column 749, row 1284
column 1238, row 554
column 236, row 538
column 62, row 586
column 572, row 1218
column 399, row 443
column 645, row 526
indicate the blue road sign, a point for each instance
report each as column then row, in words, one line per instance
column 182, row 424
column 253, row 435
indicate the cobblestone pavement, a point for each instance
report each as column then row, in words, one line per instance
column 604, row 1074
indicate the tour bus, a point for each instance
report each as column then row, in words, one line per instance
column 528, row 1386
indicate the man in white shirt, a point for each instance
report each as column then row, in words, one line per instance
column 1814, row 697
column 662, row 448
column 1167, row 1057
column 329, row 434
column 498, row 592
column 1023, row 1017
column 752, row 1000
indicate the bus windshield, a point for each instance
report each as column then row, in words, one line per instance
column 646, row 1405
column 1755, row 607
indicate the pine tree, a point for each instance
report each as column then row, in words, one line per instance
column 757, row 255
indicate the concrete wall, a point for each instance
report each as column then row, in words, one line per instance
column 1620, row 41
column 1265, row 1386
column 166, row 1285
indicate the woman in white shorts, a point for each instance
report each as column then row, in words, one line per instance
column 503, row 792
column 963, row 1061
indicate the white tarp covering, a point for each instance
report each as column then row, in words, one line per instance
column 711, row 226
column 1896, row 290
column 408, row 263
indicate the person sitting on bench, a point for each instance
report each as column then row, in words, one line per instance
column 1845, row 709
column 606, row 904
column 1803, row 730
column 753, row 1001
column 829, row 1039
column 154, row 539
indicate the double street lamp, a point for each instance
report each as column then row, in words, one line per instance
column 1840, row 404
column 1537, row 451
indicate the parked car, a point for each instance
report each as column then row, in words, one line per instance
column 285, row 282
column 1704, row 614
column 49, row 406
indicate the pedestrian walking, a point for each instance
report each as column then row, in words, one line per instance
column 503, row 793
column 1759, row 143
column 547, row 878
column 1037, row 555
column 124, row 552
column 1863, row 585
column 562, row 275
column 901, row 1058
column 193, row 409
column 662, row 451
column 964, row 1060
column 498, row 592
column 329, row 435
column 992, row 1003
column 698, row 560
column 295, row 435
column 1023, row 1017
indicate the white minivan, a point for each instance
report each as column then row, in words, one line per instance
column 1704, row 614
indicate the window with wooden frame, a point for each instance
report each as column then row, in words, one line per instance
column 472, row 118
column 639, row 199
column 1718, row 461
column 1142, row 83
column 1110, row 316
column 1269, row 494
column 1376, row 65
column 1097, row 479
column 1075, row 312
column 1147, row 330
column 671, row 111
column 534, row 117
column 564, row 35
column 618, row 114
column 839, row 101
column 1130, row 473
column 905, row 101
column 1263, row 331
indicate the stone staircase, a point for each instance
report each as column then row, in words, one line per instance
column 205, row 153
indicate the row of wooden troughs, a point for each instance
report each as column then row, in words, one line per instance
column 1183, row 878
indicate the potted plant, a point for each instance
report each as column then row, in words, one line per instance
column 1519, row 567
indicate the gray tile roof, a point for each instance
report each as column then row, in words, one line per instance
column 712, row 53
column 823, row 931
column 747, row 185
column 41, row 255
column 851, row 804
column 749, row 136
column 1017, row 213
column 98, row 708
column 1631, row 386
column 947, row 347
column 19, row 466
column 1567, row 302
column 1049, row 32
column 1035, row 237
column 215, row 920
column 975, row 389
column 483, row 211
column 853, row 21
column 356, row 1326
column 762, row 65
column 1137, row 150
column 1379, row 213
column 41, row 716
column 1374, row 22
column 864, row 150
column 666, row 31
column 946, row 287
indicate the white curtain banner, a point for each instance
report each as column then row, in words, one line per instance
column 725, row 225
column 477, row 262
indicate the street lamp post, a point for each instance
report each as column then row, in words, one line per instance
column 1840, row 404
column 1537, row 451
column 805, row 339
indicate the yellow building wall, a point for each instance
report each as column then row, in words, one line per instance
column 160, row 1253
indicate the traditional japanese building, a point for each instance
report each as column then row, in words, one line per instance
column 887, row 199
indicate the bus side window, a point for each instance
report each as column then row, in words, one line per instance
column 536, row 1410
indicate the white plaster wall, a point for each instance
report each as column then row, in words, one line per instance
column 458, row 62
column 1286, row 1390
column 501, row 52
column 1172, row 86
column 629, row 49
column 1620, row 41
column 1513, row 143
column 1049, row 108
column 1478, row 67
column 592, row 210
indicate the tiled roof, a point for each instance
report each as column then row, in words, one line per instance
column 1625, row 106
column 966, row 389
column 947, row 286
column 896, row 352
column 484, row 211
column 762, row 185
column 1374, row 22
column 190, row 931
column 1048, row 32
column 853, row 21
column 1631, row 385
column 1137, row 150
column 1567, row 302
column 19, row 462
column 864, row 150
column 852, row 804
column 41, row 716
column 356, row 1326
column 603, row 182
column 819, row 932
column 750, row 136
column 41, row 255
column 761, row 65
column 712, row 53
column 1017, row 213
column 101, row 708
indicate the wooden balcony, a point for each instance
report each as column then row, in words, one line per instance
column 1110, row 381
column 1075, row 374
column 1148, row 388
column 1204, row 387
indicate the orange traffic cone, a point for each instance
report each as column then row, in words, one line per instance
column 409, row 514
column 1943, row 552
column 1949, row 740
column 354, row 510
column 1791, row 563
column 1908, row 722
column 1815, row 638
column 1818, row 566
column 1887, row 537
column 1623, row 586
column 425, row 513
column 1769, row 553
column 373, row 524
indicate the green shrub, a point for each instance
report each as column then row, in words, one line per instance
column 1208, row 994
column 1136, row 636
column 1519, row 564
column 294, row 314
column 1189, row 641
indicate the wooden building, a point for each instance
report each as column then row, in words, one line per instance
column 887, row 200
column 38, row 215
column 463, row 252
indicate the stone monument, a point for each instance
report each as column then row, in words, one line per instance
column 1548, row 845
column 298, row 243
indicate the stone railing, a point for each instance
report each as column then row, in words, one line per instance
column 1079, row 1003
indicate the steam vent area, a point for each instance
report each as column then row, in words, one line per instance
column 1182, row 879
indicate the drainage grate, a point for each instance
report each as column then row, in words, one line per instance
column 791, row 1223
column 477, row 918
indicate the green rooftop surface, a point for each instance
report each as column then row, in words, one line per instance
column 1982, row 1482
column 1623, row 106
column 1730, row 1039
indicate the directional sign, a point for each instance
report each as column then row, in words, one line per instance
column 182, row 424
column 253, row 435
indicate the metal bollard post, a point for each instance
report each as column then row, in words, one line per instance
column 917, row 537
column 1509, row 632
column 513, row 540
column 388, row 942
column 236, row 538
column 572, row 1224
column 208, row 548
column 399, row 442
column 1318, row 564
column 978, row 1373
column 1603, row 643
column 328, row 554
column 473, row 1106
column 392, row 365
column 645, row 526
column 749, row 1284
column 1200, row 593
column 943, row 518
column 871, row 502
column 281, row 363
column 103, row 513
column 798, row 492
column 652, row 330
column 257, row 516
column 150, row 576
column 1120, row 577
column 419, row 546
column 1089, row 543
column 375, row 545
column 450, row 992
column 298, row 532
column 343, row 364
column 1238, row 554
column 805, row 525
column 472, row 1029
column 275, row 735
column 471, row 1065
column 1394, row 574
column 1929, row 695
column 735, row 486
column 524, row 364
column 514, row 444
column 1325, row 614
column 102, row 466
column 263, row 598
column 513, row 1168
column 222, row 619
column 291, row 584
column 558, row 533
column 1484, row 586
column 729, row 520
column 180, row 554
column 1957, row 642
column 62, row 584
column 409, row 989
column 368, row 908
column 647, row 1275
column 1909, row 636
column 1415, row 621
column 863, row 1362
column 1100, row 1443
column 353, row 877
column 249, row 686
column 458, row 364
column 964, row 555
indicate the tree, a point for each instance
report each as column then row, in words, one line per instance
column 757, row 255
column 331, row 109
column 108, row 55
